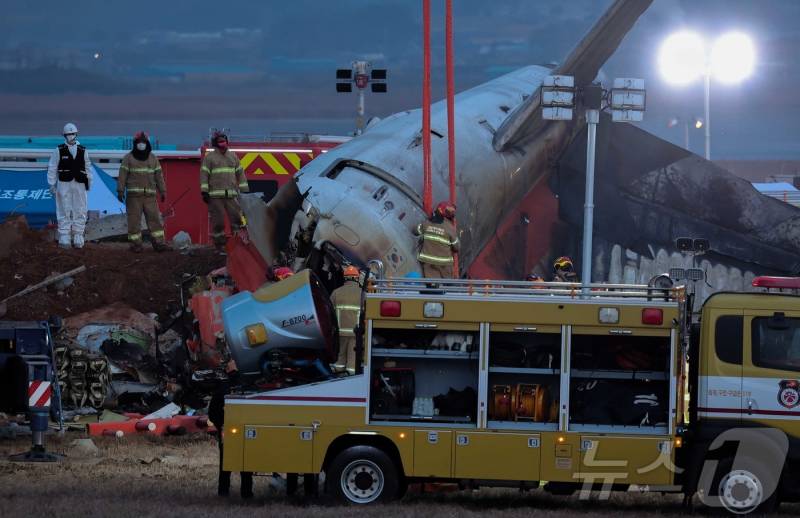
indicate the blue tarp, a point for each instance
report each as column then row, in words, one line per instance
column 25, row 192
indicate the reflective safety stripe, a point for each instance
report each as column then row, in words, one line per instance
column 346, row 307
column 145, row 190
column 455, row 242
column 149, row 170
column 204, row 169
column 204, row 187
column 419, row 228
column 434, row 259
column 218, row 234
column 157, row 233
column 223, row 193
column 437, row 239
column 135, row 237
column 222, row 170
column 244, row 185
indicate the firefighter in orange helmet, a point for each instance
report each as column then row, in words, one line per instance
column 438, row 242
column 347, row 301
column 563, row 270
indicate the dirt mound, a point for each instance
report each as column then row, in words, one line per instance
column 148, row 282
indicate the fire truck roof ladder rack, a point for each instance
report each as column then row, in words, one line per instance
column 519, row 288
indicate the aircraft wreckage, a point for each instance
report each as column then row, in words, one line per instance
column 520, row 191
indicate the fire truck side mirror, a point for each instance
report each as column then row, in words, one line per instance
column 778, row 322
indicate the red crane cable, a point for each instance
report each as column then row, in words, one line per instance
column 451, row 126
column 427, row 201
column 451, row 140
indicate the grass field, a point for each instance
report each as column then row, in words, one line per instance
column 176, row 477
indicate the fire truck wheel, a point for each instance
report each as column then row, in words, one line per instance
column 741, row 490
column 361, row 475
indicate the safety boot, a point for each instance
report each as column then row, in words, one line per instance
column 136, row 247
column 64, row 241
column 77, row 241
column 160, row 247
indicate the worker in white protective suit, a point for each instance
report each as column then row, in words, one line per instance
column 69, row 176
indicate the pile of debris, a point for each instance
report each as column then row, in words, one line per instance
column 120, row 353
column 148, row 283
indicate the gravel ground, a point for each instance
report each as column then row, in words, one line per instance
column 176, row 477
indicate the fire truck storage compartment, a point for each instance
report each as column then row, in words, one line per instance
column 524, row 376
column 424, row 375
column 619, row 379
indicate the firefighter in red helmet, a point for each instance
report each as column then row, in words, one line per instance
column 282, row 273
column 438, row 242
column 222, row 179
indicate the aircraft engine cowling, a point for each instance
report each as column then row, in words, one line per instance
column 294, row 316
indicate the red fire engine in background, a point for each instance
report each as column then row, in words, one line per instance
column 268, row 165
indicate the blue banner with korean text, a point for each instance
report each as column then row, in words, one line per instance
column 26, row 193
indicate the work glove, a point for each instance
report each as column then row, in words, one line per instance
column 163, row 197
column 120, row 196
column 205, row 197
column 53, row 190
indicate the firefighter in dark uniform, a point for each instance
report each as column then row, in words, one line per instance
column 222, row 179
column 216, row 412
column 347, row 301
column 438, row 242
column 140, row 176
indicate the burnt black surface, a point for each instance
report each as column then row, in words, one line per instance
column 649, row 192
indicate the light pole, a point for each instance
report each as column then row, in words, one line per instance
column 685, row 122
column 362, row 74
column 684, row 57
column 627, row 103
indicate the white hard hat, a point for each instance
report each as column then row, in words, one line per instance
column 70, row 128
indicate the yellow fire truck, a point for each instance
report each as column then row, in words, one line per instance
column 520, row 384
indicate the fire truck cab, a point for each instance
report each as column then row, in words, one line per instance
column 496, row 383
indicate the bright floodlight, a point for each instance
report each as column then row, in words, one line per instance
column 682, row 58
column 733, row 57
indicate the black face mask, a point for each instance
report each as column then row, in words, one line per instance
column 141, row 155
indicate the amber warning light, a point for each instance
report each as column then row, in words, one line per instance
column 652, row 316
column 390, row 308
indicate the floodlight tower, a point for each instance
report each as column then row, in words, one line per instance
column 362, row 74
column 627, row 103
column 684, row 57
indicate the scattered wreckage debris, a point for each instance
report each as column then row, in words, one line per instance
column 53, row 279
column 139, row 424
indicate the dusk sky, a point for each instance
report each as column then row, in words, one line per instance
column 178, row 67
